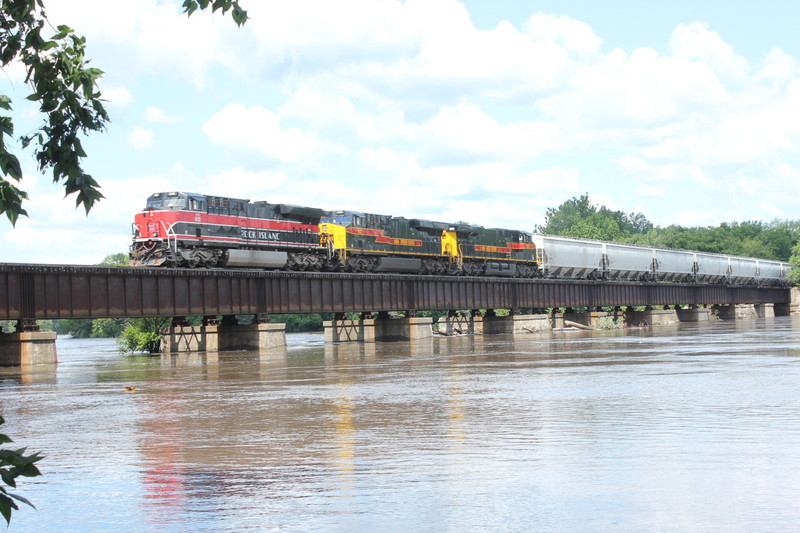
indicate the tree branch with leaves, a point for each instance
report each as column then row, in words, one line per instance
column 70, row 103
column 13, row 464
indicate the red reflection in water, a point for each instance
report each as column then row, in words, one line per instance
column 162, row 449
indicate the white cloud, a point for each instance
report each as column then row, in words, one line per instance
column 141, row 138
column 468, row 133
column 651, row 190
column 779, row 67
column 771, row 211
column 258, row 130
column 691, row 218
column 573, row 35
column 117, row 96
column 695, row 42
column 562, row 180
column 240, row 183
column 159, row 116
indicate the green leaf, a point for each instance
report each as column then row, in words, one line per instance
column 6, row 504
column 189, row 7
column 10, row 165
column 63, row 31
column 239, row 15
column 22, row 499
column 8, row 477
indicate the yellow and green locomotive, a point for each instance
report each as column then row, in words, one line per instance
column 363, row 242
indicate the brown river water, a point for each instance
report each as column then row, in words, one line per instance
column 693, row 427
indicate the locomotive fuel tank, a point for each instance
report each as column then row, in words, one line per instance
column 255, row 258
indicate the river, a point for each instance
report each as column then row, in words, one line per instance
column 693, row 427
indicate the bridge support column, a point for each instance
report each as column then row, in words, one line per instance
column 513, row 324
column 28, row 348
column 592, row 319
column 378, row 329
column 223, row 337
column 745, row 311
column 652, row 317
column 724, row 312
column 692, row 314
column 764, row 310
column 390, row 329
column 793, row 307
column 785, row 310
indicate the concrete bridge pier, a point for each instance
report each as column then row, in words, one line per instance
column 382, row 328
column 513, row 324
column 27, row 346
column 220, row 336
column 592, row 319
column 764, row 310
column 653, row 317
column 692, row 314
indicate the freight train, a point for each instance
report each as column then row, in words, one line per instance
column 178, row 229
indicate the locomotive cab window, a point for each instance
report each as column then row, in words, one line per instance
column 197, row 204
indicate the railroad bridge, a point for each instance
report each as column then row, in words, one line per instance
column 30, row 292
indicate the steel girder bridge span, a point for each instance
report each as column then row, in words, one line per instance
column 31, row 292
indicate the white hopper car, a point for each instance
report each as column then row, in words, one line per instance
column 567, row 257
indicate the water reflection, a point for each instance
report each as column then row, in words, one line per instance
column 688, row 427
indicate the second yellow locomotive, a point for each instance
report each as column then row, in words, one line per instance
column 363, row 242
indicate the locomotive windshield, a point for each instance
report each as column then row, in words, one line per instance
column 345, row 218
column 175, row 201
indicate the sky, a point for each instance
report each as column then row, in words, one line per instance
column 476, row 111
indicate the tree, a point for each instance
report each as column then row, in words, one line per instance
column 13, row 464
column 577, row 217
column 65, row 88
column 794, row 260
column 121, row 259
column 143, row 335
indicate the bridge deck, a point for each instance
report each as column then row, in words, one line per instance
column 52, row 291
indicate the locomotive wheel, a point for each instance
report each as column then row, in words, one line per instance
column 455, row 269
column 473, row 269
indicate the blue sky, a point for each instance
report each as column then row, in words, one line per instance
column 489, row 112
